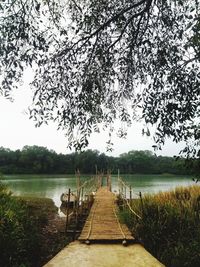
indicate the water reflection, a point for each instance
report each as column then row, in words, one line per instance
column 44, row 187
column 53, row 187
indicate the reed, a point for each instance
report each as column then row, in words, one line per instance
column 170, row 225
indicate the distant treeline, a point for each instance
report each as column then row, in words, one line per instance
column 40, row 160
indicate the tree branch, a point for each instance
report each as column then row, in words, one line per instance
column 104, row 25
column 79, row 8
column 189, row 61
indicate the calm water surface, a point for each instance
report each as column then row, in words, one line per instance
column 53, row 186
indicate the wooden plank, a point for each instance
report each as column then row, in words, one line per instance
column 102, row 222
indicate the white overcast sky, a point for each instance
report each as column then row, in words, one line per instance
column 16, row 131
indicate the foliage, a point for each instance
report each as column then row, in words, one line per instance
column 40, row 160
column 91, row 57
column 23, row 238
column 170, row 226
column 18, row 234
column 43, row 213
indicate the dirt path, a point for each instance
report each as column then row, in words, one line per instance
column 77, row 254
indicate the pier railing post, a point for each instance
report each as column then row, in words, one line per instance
column 109, row 186
column 130, row 194
column 82, row 200
column 124, row 191
column 142, row 206
column 101, row 181
column 67, row 215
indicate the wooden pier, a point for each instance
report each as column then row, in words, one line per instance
column 102, row 223
column 104, row 231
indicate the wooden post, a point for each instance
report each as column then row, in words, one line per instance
column 81, row 201
column 99, row 181
column 109, row 183
column 77, row 213
column 118, row 181
column 67, row 215
column 96, row 169
column 89, row 201
column 140, row 194
column 82, row 193
column 107, row 180
column 78, row 192
column 78, row 181
column 122, row 188
column 130, row 194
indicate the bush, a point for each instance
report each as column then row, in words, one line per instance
column 170, row 226
column 18, row 234
column 28, row 230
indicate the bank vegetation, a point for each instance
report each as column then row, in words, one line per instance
column 170, row 225
column 40, row 160
column 29, row 232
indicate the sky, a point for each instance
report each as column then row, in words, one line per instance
column 17, row 130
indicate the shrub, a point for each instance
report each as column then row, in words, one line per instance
column 18, row 234
column 170, row 226
column 28, row 230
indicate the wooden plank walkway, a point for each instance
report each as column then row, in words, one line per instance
column 102, row 223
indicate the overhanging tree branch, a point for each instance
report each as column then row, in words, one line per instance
column 109, row 21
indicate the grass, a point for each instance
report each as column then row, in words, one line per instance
column 39, row 204
column 170, row 225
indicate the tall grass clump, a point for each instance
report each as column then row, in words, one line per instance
column 170, row 225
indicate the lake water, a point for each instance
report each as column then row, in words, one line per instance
column 52, row 186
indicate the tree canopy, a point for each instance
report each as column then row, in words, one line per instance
column 40, row 160
column 98, row 61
